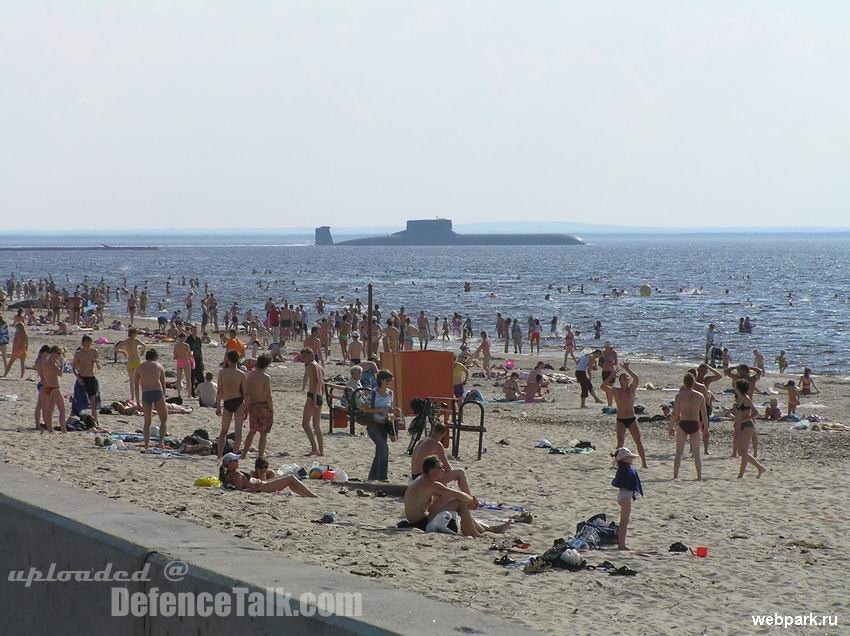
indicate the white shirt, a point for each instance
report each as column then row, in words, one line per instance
column 206, row 393
column 583, row 362
column 709, row 336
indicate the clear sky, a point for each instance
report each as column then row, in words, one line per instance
column 204, row 113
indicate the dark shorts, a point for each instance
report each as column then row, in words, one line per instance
column 286, row 324
column 91, row 384
column 422, row 524
column 355, row 360
column 232, row 405
column 689, row 426
column 747, row 424
column 584, row 383
column 626, row 421
column 458, row 390
column 151, row 397
column 606, row 375
column 318, row 401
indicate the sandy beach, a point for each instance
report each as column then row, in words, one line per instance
column 776, row 544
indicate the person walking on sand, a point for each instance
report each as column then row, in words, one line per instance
column 688, row 412
column 484, row 350
column 20, row 343
column 315, row 382
column 569, row 346
column 745, row 417
column 85, row 360
column 624, row 397
column 258, row 401
column 149, row 381
column 584, row 374
column 628, row 482
column 230, row 401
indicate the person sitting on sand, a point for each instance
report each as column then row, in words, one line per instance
column 149, row 382
column 432, row 445
column 772, row 411
column 427, row 496
column 690, row 414
column 807, row 384
column 206, row 391
column 231, row 477
column 624, row 397
column 511, row 387
column 628, row 482
column 534, row 389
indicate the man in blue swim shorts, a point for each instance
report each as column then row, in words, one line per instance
column 149, row 381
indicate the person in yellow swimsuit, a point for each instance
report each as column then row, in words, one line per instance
column 134, row 349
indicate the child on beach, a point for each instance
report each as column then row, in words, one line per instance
column 793, row 397
column 511, row 387
column 628, row 481
column 781, row 362
column 772, row 411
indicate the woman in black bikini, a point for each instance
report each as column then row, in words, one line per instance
column 231, row 476
column 745, row 415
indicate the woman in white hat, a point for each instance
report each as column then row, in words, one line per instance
column 628, row 481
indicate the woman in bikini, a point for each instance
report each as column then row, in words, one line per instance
column 42, row 356
column 569, row 346
column 484, row 350
column 745, row 416
column 232, row 477
column 20, row 342
column 185, row 362
column 50, row 394
column 807, row 384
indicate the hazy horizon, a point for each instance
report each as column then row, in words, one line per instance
column 273, row 115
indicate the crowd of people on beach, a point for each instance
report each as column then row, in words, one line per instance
column 355, row 335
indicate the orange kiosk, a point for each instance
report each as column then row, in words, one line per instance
column 419, row 374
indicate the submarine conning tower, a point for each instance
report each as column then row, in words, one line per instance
column 323, row 235
column 437, row 228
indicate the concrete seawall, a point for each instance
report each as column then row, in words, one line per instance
column 44, row 522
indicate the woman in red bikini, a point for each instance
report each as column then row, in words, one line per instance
column 807, row 384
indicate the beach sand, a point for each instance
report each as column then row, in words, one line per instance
column 776, row 545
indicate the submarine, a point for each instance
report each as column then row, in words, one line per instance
column 440, row 232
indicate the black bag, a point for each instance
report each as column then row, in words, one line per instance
column 367, row 418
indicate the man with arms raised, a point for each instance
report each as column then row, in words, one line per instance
column 149, row 381
column 624, row 397
column 688, row 412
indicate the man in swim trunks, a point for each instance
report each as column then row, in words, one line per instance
column 427, row 495
column 258, row 401
column 424, row 330
column 355, row 348
column 133, row 348
column 315, row 383
column 149, row 380
column 432, row 445
column 688, row 413
column 229, row 403
column 624, row 397
column 85, row 360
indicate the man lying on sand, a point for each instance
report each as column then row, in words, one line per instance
column 426, row 496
